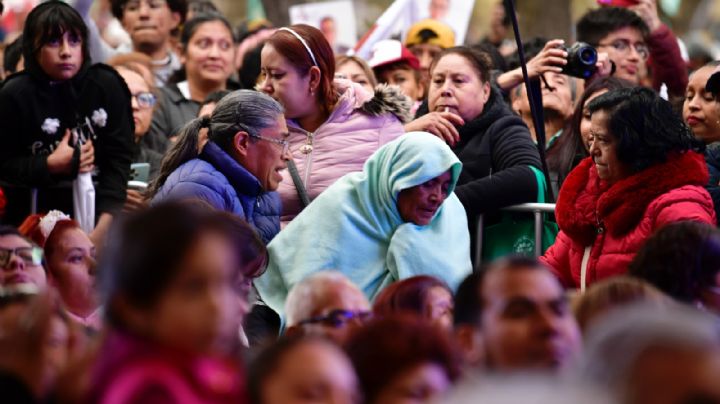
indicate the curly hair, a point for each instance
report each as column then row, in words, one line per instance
column 645, row 127
column 681, row 259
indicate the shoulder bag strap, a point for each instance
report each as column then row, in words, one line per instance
column 299, row 186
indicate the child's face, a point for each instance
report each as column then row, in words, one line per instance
column 404, row 78
column 193, row 310
column 61, row 58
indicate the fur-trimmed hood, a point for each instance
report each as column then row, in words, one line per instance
column 385, row 99
column 586, row 204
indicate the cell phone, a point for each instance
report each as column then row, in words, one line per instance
column 618, row 3
column 140, row 172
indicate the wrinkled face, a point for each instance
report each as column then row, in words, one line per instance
column 622, row 48
column 419, row 384
column 149, row 23
column 456, row 87
column 425, row 53
column 201, row 298
column 351, row 71
column 439, row 307
column 337, row 297
column 405, row 79
column 701, row 111
column 210, row 53
column 265, row 158
column 61, row 58
column 604, row 150
column 556, row 98
column 72, row 269
column 664, row 375
column 142, row 115
column 20, row 269
column 420, row 203
column 526, row 322
column 281, row 81
column 585, row 123
column 312, row 372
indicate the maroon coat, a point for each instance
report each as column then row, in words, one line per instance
column 666, row 62
column 616, row 220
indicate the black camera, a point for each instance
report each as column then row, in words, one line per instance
column 581, row 60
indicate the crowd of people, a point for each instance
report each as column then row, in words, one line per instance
column 273, row 222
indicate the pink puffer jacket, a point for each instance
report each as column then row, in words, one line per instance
column 359, row 124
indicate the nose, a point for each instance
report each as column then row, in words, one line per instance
column 287, row 156
column 16, row 264
column 64, row 48
column 214, row 51
column 633, row 54
column 445, row 90
column 548, row 323
column 265, row 86
column 134, row 103
column 144, row 9
column 425, row 60
column 694, row 102
column 92, row 265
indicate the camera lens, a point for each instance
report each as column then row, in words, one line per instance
column 588, row 56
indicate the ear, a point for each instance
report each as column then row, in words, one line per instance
column 469, row 340
column 241, row 142
column 176, row 18
column 315, row 76
column 485, row 96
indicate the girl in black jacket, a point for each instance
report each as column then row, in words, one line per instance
column 60, row 117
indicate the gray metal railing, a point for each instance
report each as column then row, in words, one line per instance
column 537, row 209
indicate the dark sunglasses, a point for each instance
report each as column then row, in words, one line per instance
column 338, row 318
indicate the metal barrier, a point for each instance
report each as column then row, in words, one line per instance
column 536, row 208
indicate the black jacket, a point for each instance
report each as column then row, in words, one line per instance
column 496, row 151
column 34, row 113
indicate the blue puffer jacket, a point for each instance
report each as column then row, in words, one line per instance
column 218, row 179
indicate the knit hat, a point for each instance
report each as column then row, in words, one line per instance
column 432, row 32
column 390, row 51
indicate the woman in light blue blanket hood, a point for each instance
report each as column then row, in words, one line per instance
column 389, row 222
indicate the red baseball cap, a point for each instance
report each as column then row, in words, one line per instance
column 390, row 51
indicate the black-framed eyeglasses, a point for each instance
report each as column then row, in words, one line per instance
column 134, row 5
column 338, row 318
column 30, row 255
column 145, row 99
column 623, row 46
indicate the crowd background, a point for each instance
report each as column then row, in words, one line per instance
column 195, row 211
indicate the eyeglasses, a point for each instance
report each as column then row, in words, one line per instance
column 31, row 255
column 623, row 46
column 145, row 99
column 282, row 142
column 338, row 318
column 134, row 5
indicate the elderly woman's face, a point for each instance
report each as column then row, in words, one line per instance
column 455, row 86
column 604, row 150
column 139, row 89
column 700, row 110
column 419, row 203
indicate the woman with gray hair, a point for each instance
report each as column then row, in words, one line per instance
column 650, row 354
column 239, row 167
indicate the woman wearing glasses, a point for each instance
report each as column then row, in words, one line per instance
column 20, row 262
column 239, row 166
column 208, row 51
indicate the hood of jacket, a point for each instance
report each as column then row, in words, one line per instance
column 385, row 99
column 586, row 203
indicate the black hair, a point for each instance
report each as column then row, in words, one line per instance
column 567, row 152
column 6, row 230
column 532, row 47
column 193, row 24
column 146, row 250
column 681, row 259
column 215, row 97
column 49, row 21
column 12, row 55
column 175, row 6
column 250, row 69
column 481, row 61
column 645, row 127
column 498, row 61
column 202, row 6
column 597, row 24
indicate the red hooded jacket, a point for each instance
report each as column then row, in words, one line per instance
column 615, row 220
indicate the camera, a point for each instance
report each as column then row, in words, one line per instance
column 581, row 60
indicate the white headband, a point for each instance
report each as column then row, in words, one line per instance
column 48, row 222
column 307, row 48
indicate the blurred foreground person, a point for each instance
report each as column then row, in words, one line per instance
column 403, row 360
column 644, row 355
column 515, row 315
column 397, row 218
column 645, row 171
column 303, row 370
column 20, row 262
column 422, row 295
column 683, row 260
column 175, row 279
column 326, row 304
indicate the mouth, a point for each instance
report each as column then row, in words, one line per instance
column 444, row 108
column 145, row 28
column 214, row 67
column 17, row 279
column 693, row 120
column 630, row 69
column 66, row 66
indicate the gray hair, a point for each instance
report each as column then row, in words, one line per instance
column 247, row 110
column 303, row 297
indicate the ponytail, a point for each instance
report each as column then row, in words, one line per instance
column 183, row 150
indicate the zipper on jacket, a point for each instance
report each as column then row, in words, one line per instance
column 307, row 150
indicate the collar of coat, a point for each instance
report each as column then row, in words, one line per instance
column 239, row 177
column 585, row 200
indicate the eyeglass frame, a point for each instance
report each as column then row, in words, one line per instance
column 626, row 45
column 36, row 252
column 154, row 99
column 282, row 142
column 334, row 320
column 147, row 2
